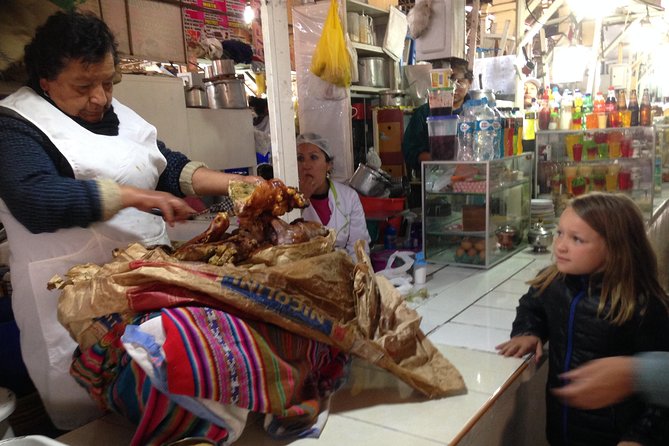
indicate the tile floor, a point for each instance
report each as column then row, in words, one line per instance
column 467, row 313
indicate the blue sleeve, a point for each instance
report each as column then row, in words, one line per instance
column 652, row 377
column 38, row 195
column 169, row 179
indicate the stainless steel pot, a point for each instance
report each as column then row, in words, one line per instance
column 226, row 93
column 196, row 97
column 391, row 98
column 369, row 181
column 223, row 67
column 539, row 237
column 372, row 72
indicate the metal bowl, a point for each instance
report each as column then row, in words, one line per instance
column 539, row 237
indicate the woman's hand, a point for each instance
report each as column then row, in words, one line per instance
column 307, row 186
column 598, row 383
column 519, row 346
column 173, row 208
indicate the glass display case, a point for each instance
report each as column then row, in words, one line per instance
column 476, row 213
column 573, row 162
column 661, row 154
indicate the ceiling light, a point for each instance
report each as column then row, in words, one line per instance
column 249, row 15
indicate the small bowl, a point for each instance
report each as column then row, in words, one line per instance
column 539, row 237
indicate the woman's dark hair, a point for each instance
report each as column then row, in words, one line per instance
column 67, row 36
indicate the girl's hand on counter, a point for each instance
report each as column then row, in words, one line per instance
column 173, row 208
column 519, row 346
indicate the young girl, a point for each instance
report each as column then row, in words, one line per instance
column 600, row 298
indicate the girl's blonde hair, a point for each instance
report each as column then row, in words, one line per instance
column 630, row 269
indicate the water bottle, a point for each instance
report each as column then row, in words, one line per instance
column 485, row 134
column 466, row 132
column 498, row 125
column 390, row 238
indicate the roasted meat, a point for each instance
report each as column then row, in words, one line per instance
column 257, row 209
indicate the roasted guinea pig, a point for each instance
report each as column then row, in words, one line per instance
column 257, row 207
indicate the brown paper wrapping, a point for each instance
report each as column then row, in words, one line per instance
column 309, row 289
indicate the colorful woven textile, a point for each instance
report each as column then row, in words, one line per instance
column 210, row 355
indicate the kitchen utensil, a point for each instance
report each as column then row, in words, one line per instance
column 507, row 237
column 196, row 97
column 372, row 72
column 223, row 206
column 366, row 29
column 539, row 237
column 353, row 25
column 369, row 181
column 226, row 93
column 223, row 67
column 391, row 98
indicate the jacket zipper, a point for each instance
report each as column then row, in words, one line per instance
column 568, row 353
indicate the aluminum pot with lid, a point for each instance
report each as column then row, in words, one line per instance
column 196, row 97
column 539, row 237
column 226, row 93
column 372, row 72
column 391, row 98
column 369, row 181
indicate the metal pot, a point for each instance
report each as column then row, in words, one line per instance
column 372, row 72
column 223, row 67
column 539, row 237
column 369, row 181
column 196, row 97
column 507, row 237
column 226, row 93
column 391, row 98
column 480, row 94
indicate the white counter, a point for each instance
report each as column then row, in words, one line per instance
column 467, row 313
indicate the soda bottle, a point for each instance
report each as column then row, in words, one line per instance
column 623, row 112
column 633, row 108
column 644, row 110
column 587, row 115
column 611, row 108
column 600, row 110
column 577, row 111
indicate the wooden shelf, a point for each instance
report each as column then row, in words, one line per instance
column 360, row 7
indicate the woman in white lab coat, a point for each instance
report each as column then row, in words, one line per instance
column 333, row 204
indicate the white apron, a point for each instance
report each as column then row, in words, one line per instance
column 131, row 158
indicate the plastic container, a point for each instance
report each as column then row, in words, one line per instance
column 419, row 269
column 375, row 204
column 442, row 131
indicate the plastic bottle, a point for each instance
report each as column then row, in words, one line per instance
column 419, row 269
column 566, row 108
column 577, row 112
column 633, row 107
column 485, row 134
column 466, row 132
column 644, row 109
column 586, row 111
column 611, row 108
column 498, row 125
column 599, row 109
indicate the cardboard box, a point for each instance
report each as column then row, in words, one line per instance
column 383, row 4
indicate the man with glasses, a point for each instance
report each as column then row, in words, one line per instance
column 416, row 143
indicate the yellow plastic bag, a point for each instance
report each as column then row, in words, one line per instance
column 331, row 60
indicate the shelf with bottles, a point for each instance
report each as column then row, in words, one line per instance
column 570, row 163
column 476, row 213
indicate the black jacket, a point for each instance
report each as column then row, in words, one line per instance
column 565, row 315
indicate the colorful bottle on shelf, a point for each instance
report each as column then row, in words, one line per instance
column 633, row 108
column 644, row 109
column 611, row 108
column 577, row 111
column 600, row 110
column 589, row 120
column 624, row 114
column 566, row 111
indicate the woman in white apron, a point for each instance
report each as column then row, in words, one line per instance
column 332, row 204
column 81, row 173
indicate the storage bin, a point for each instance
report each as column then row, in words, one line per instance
column 376, row 204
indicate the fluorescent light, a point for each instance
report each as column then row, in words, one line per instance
column 249, row 15
column 592, row 9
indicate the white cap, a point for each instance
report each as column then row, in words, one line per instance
column 315, row 139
